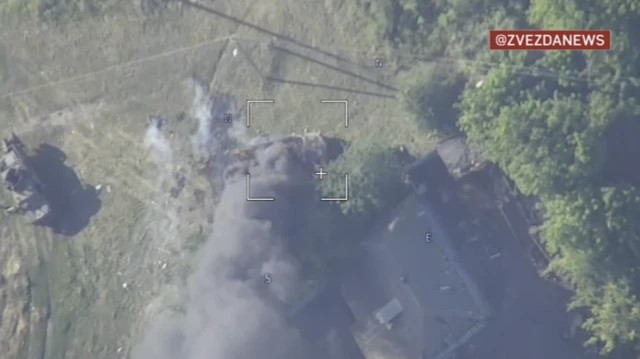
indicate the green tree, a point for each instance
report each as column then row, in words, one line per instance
column 374, row 179
column 615, row 317
column 594, row 241
column 542, row 138
column 574, row 235
column 429, row 93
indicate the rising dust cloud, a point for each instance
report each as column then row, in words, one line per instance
column 229, row 312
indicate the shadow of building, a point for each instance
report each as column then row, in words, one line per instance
column 72, row 202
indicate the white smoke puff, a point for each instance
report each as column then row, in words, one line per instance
column 161, row 223
column 155, row 140
column 219, row 126
column 238, row 132
column 202, row 113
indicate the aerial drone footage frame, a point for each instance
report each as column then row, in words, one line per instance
column 231, row 179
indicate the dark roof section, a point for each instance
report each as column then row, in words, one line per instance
column 439, row 305
column 430, row 171
column 459, row 156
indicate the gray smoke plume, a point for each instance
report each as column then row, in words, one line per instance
column 219, row 126
column 158, row 144
column 230, row 312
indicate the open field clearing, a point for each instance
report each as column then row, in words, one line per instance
column 88, row 90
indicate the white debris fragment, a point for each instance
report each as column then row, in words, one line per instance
column 479, row 84
column 125, row 285
column 474, row 238
column 119, row 350
column 392, row 225
column 235, row 52
column 98, row 187
column 108, row 189
column 445, row 288
column 164, row 266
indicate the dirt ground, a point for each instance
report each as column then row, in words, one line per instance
column 82, row 94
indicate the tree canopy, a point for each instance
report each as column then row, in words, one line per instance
column 429, row 94
column 374, row 178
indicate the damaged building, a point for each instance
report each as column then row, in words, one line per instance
column 22, row 183
column 410, row 294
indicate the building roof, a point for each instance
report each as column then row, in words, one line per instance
column 459, row 156
column 439, row 302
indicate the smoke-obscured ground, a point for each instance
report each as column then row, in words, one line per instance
column 230, row 311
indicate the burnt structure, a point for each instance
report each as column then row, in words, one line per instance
column 21, row 183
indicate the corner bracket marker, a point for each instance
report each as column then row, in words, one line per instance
column 249, row 198
column 346, row 109
column 346, row 192
column 249, row 102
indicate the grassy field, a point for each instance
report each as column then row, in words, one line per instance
column 88, row 90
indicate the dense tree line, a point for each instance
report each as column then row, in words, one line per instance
column 562, row 125
column 60, row 12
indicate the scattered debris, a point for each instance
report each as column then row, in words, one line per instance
column 23, row 183
column 495, row 256
column 392, row 225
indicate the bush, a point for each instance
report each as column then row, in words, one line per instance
column 429, row 93
column 375, row 181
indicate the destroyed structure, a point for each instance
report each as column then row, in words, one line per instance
column 310, row 150
column 21, row 183
column 410, row 294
